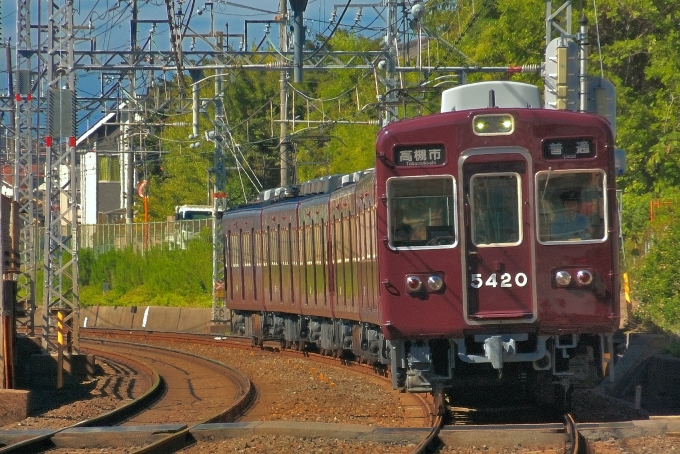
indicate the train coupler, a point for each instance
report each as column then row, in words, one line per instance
column 496, row 348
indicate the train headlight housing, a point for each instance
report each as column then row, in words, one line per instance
column 493, row 125
column 435, row 283
column 584, row 277
column 562, row 278
column 414, row 284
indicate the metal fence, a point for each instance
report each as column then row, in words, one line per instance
column 143, row 236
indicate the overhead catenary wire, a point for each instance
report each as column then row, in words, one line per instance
column 599, row 47
column 118, row 15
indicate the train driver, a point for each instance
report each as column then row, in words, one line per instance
column 569, row 223
column 403, row 232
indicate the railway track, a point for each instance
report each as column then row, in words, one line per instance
column 439, row 413
column 149, row 381
column 443, row 434
column 425, row 402
column 148, row 358
column 493, row 419
column 204, row 391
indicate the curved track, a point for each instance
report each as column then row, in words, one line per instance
column 425, row 402
column 202, row 390
column 198, row 388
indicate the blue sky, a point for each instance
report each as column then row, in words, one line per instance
column 110, row 24
column 111, row 17
column 110, row 21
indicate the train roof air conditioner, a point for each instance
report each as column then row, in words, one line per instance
column 503, row 93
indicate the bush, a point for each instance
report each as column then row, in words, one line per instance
column 654, row 277
column 181, row 277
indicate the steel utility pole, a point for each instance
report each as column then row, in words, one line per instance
column 219, row 199
column 24, row 163
column 558, row 20
column 61, row 294
column 284, row 140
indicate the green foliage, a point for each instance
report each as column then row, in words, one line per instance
column 656, row 286
column 337, row 96
column 640, row 50
column 181, row 277
column 654, row 276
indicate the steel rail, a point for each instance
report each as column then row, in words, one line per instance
column 184, row 438
column 428, row 444
column 43, row 442
column 576, row 442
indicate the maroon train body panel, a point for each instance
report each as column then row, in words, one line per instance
column 529, row 297
column 242, row 254
column 367, row 245
column 279, row 229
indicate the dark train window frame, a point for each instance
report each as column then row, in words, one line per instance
column 291, row 265
column 280, row 264
column 518, row 212
column 312, row 238
column 254, row 261
column 543, row 193
column 227, row 259
column 267, row 247
column 323, row 260
column 352, row 268
column 241, row 264
column 303, row 263
column 451, row 227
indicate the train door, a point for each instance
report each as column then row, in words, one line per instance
column 498, row 252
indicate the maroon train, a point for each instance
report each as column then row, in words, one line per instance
column 483, row 247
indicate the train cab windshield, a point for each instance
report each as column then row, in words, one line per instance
column 421, row 211
column 496, row 215
column 571, row 206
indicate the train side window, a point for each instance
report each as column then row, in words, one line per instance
column 323, row 259
column 241, row 264
column 304, row 262
column 279, row 260
column 268, row 263
column 290, row 262
column 571, row 206
column 254, row 261
column 227, row 259
column 421, row 211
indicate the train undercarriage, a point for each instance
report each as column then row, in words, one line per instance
column 547, row 367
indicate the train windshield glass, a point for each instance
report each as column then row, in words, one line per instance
column 571, row 206
column 496, row 217
column 421, row 211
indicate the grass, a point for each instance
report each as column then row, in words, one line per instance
column 177, row 278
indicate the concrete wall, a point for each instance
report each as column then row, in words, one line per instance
column 153, row 318
column 15, row 404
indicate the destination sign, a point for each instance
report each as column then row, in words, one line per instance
column 423, row 155
column 568, row 149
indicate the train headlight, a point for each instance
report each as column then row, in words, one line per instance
column 493, row 125
column 413, row 283
column 435, row 283
column 505, row 125
column 562, row 278
column 482, row 126
column 584, row 277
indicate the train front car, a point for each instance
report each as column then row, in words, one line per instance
column 499, row 246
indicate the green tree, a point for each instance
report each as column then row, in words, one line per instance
column 640, row 55
column 332, row 130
